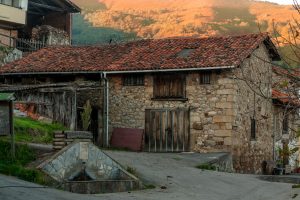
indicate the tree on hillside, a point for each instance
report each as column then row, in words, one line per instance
column 285, row 82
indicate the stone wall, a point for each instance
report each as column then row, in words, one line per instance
column 5, row 40
column 220, row 112
column 50, row 35
column 210, row 105
column 253, row 80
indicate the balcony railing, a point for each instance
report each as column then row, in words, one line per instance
column 24, row 45
column 12, row 3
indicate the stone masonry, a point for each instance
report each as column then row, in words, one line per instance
column 220, row 112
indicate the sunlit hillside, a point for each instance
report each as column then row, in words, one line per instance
column 119, row 20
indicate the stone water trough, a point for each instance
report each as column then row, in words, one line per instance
column 82, row 167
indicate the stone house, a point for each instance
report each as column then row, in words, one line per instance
column 286, row 87
column 29, row 25
column 187, row 94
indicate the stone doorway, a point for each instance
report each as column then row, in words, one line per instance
column 167, row 130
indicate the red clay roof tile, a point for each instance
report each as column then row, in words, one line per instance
column 140, row 55
column 285, row 98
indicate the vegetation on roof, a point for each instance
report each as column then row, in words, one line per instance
column 6, row 96
column 29, row 130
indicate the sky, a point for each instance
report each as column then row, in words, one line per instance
column 282, row 1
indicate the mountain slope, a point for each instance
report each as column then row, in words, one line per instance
column 172, row 18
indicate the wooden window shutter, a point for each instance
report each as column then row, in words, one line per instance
column 169, row 86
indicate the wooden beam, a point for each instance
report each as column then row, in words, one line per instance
column 33, row 102
column 39, row 5
column 36, row 13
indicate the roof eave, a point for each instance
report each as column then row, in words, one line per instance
column 121, row 72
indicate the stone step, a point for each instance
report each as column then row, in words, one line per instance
column 58, row 140
column 59, row 135
column 59, row 143
column 58, row 148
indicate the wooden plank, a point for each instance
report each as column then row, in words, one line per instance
column 157, row 131
column 169, row 142
column 4, row 118
column 174, row 131
column 147, row 140
column 153, row 147
column 58, row 143
column 180, row 138
column 162, row 131
column 187, row 130
column 183, row 130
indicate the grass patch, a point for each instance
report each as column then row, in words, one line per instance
column 149, row 186
column 28, row 130
column 296, row 186
column 207, row 167
column 177, row 158
column 17, row 167
column 131, row 170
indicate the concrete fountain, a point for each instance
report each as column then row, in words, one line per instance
column 81, row 167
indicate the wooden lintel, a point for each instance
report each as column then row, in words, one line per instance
column 40, row 5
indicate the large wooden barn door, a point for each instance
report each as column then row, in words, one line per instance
column 167, row 130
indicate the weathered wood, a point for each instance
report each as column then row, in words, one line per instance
column 58, row 147
column 58, row 140
column 33, row 102
column 169, row 86
column 59, row 143
column 167, row 130
column 4, row 118
column 78, row 135
column 147, row 140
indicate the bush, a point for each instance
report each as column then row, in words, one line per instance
column 16, row 167
column 206, row 167
column 29, row 130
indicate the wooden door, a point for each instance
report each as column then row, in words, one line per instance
column 167, row 130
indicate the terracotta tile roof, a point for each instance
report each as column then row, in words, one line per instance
column 294, row 73
column 141, row 55
column 285, row 98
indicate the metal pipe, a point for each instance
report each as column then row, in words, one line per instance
column 169, row 70
column 106, row 107
column 122, row 72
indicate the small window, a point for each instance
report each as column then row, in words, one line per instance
column 285, row 124
column 185, row 53
column 169, row 86
column 16, row 3
column 253, row 128
column 205, row 77
column 133, row 80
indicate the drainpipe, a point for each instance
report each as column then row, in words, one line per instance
column 274, row 135
column 106, row 108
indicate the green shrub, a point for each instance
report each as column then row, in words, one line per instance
column 86, row 116
column 16, row 167
column 29, row 130
column 131, row 170
column 206, row 167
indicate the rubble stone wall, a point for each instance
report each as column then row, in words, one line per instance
column 253, row 100
column 220, row 112
column 210, row 105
